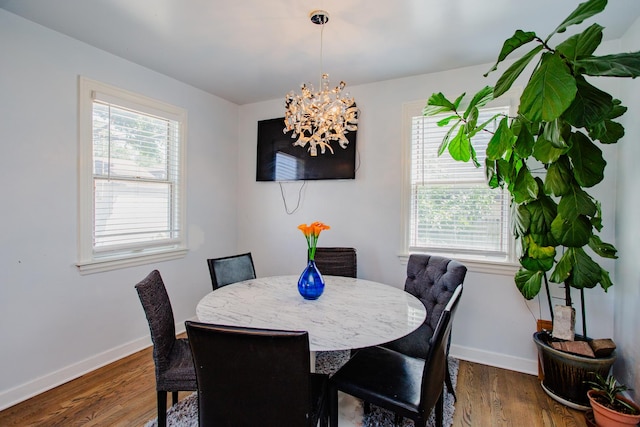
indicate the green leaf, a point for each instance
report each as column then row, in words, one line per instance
column 616, row 65
column 576, row 202
column 501, row 141
column 573, row 233
column 586, row 273
column 472, row 119
column 519, row 38
column 607, row 132
column 480, row 99
column 542, row 212
column 545, row 152
column 528, row 282
column 524, row 144
column 590, row 106
column 525, row 187
column 583, row 11
column 446, row 120
column 537, row 264
column 507, row 78
column 456, row 103
column 521, row 219
column 491, row 173
column 559, row 177
column 596, row 220
column 549, row 92
column 460, row 146
column 537, row 251
column 552, row 132
column 605, row 250
column 605, row 280
column 618, row 110
column 583, row 44
column 588, row 163
column 447, row 136
column 438, row 103
column 563, row 269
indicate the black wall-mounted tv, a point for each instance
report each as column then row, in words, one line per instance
column 279, row 160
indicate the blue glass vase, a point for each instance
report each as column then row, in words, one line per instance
column 311, row 283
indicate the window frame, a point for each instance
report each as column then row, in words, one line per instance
column 484, row 264
column 89, row 259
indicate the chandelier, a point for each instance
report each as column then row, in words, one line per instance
column 318, row 118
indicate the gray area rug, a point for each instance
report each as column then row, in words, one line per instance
column 185, row 412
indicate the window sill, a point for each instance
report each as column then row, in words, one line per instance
column 113, row 263
column 477, row 265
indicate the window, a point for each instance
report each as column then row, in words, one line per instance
column 131, row 179
column 449, row 208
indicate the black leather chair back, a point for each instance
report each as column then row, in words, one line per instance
column 251, row 377
column 431, row 279
column 231, row 269
column 337, row 261
column 435, row 369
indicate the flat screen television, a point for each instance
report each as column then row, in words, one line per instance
column 279, row 160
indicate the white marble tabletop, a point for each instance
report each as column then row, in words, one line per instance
column 351, row 313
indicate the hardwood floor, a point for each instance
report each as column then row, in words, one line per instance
column 123, row 394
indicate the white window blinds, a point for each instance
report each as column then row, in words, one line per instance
column 452, row 209
column 132, row 206
column 136, row 179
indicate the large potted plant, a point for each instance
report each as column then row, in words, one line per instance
column 561, row 120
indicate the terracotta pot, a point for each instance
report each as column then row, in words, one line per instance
column 606, row 417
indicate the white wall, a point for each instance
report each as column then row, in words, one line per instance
column 494, row 324
column 54, row 323
column 627, row 315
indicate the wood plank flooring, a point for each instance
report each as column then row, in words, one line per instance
column 123, row 394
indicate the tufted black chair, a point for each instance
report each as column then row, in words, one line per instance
column 255, row 377
column 410, row 387
column 231, row 269
column 172, row 356
column 337, row 261
column 431, row 279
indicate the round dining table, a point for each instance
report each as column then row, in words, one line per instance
column 351, row 313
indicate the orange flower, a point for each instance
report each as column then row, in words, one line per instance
column 311, row 233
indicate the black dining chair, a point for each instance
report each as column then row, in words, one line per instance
column 171, row 356
column 410, row 387
column 255, row 377
column 231, row 269
column 337, row 261
column 432, row 279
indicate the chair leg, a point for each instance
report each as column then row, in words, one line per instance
column 174, row 397
column 333, row 406
column 440, row 410
column 450, row 388
column 398, row 420
column 162, row 409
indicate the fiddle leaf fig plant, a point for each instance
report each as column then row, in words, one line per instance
column 548, row 155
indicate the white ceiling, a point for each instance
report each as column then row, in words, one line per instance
column 253, row 50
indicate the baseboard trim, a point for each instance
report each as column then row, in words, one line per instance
column 39, row 385
column 512, row 363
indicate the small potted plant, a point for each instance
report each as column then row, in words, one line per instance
column 610, row 408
